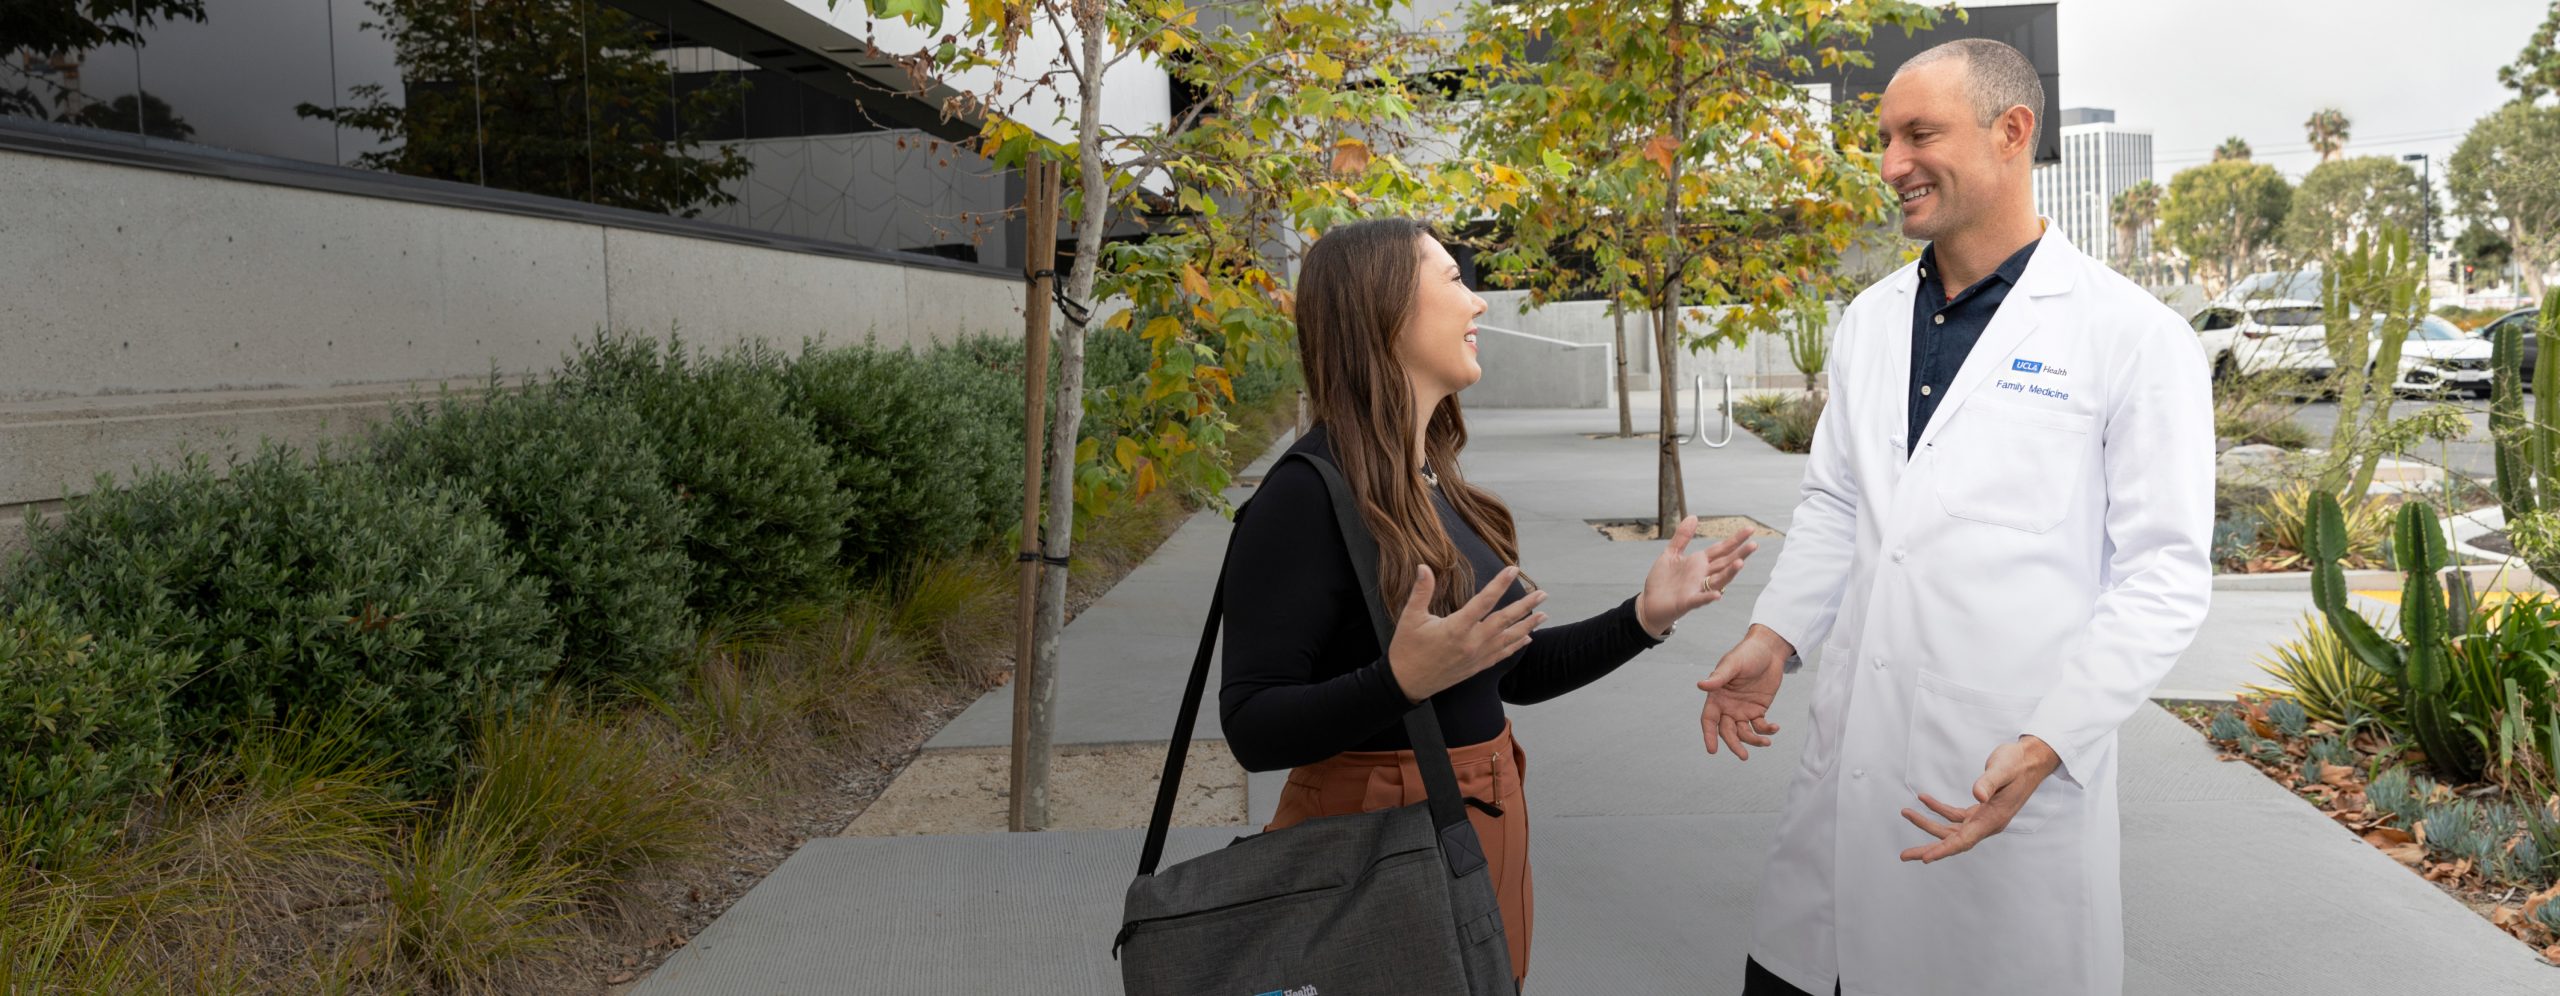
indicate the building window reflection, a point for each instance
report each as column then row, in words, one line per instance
column 678, row 107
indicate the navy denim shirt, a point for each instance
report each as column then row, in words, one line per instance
column 1943, row 331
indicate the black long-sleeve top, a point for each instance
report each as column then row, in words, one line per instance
column 1304, row 678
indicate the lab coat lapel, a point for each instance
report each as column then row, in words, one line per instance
column 2047, row 274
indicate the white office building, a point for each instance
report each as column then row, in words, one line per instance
column 2100, row 158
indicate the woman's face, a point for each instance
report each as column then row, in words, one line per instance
column 1438, row 343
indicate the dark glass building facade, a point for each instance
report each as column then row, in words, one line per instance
column 679, row 108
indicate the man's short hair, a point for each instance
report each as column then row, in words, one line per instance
column 1997, row 76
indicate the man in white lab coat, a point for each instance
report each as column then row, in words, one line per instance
column 2000, row 550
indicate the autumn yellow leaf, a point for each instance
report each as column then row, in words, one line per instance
column 1192, row 281
column 1125, row 453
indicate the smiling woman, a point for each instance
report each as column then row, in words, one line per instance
column 1387, row 336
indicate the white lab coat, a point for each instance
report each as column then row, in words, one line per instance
column 2034, row 567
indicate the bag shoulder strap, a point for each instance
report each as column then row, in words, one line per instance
column 1421, row 723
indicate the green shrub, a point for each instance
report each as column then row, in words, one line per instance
column 928, row 448
column 768, row 519
column 1785, row 422
column 83, row 730
column 585, row 501
column 301, row 588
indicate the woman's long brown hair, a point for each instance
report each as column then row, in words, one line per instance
column 1356, row 288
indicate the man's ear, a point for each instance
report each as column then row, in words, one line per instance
column 2017, row 131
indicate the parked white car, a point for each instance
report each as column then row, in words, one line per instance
column 2439, row 357
column 2262, row 336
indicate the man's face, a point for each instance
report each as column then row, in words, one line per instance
column 1940, row 159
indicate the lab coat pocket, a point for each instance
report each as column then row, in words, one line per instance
column 2011, row 465
column 1954, row 729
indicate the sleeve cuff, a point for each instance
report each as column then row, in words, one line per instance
column 2061, row 749
column 1635, row 624
column 1390, row 696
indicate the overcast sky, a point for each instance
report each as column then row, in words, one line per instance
column 2412, row 75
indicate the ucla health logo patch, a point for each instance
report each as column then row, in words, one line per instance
column 2026, row 366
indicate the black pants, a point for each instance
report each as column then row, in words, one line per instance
column 1757, row 981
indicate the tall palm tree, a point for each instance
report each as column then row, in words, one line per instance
column 2327, row 130
column 2136, row 208
column 2234, row 147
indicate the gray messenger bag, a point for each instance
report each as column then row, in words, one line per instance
column 1397, row 901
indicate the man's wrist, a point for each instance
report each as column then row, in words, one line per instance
column 2045, row 757
column 1761, row 632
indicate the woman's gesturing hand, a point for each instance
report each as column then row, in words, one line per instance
column 1681, row 580
column 1430, row 653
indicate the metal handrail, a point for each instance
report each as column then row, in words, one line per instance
column 1608, row 350
column 1698, row 421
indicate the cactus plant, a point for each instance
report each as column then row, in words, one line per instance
column 2229, row 728
column 2370, row 298
column 2333, row 752
column 2525, row 447
column 2416, row 661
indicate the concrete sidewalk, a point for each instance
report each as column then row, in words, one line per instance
column 1647, row 849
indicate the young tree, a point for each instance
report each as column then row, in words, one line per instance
column 1302, row 109
column 2224, row 214
column 2327, row 131
column 552, row 97
column 2232, row 148
column 1690, row 117
column 2507, row 171
column 2345, row 200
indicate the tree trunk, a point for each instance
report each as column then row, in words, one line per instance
column 1626, row 417
column 1669, row 501
column 1058, row 538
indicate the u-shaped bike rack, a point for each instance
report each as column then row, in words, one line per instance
column 1698, row 406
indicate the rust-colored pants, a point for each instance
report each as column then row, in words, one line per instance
column 1366, row 781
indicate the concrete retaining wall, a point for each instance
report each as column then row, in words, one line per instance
column 148, row 312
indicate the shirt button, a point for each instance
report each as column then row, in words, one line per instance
column 1938, row 319
column 1924, row 390
column 1879, row 663
column 1858, row 773
column 1899, row 554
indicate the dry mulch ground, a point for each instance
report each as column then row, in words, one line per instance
column 2340, row 794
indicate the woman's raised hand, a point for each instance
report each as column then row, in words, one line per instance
column 1430, row 653
column 1682, row 580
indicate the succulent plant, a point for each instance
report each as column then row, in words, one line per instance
column 2229, row 728
column 2392, row 793
column 2289, row 718
column 2333, row 752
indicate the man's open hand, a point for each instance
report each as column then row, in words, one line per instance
column 2008, row 780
